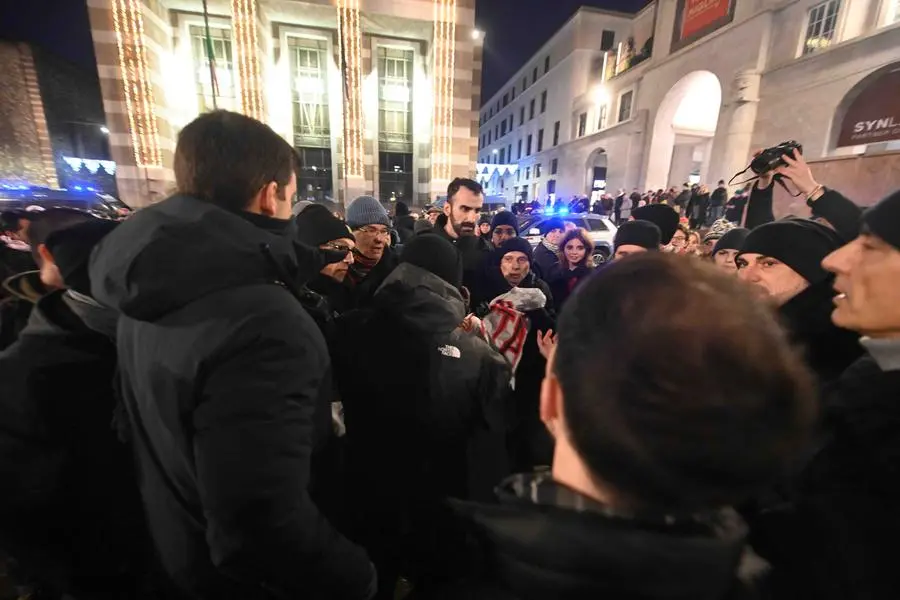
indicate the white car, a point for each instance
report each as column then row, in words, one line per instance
column 601, row 230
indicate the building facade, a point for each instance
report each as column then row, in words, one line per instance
column 684, row 90
column 378, row 96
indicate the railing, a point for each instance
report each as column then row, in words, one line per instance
column 623, row 58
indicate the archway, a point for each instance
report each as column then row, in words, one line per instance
column 595, row 174
column 683, row 131
column 867, row 118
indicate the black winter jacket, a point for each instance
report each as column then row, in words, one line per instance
column 840, row 211
column 426, row 413
column 223, row 375
column 563, row 282
column 759, row 207
column 545, row 260
column 473, row 249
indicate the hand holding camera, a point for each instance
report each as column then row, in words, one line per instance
column 797, row 170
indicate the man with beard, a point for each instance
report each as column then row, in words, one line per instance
column 373, row 258
column 504, row 226
column 457, row 225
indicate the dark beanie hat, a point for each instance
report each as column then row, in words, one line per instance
column 484, row 218
column 317, row 226
column 551, row 224
column 663, row 216
column 504, row 217
column 401, row 209
column 883, row 219
column 638, row 233
column 436, row 255
column 515, row 244
column 71, row 248
column 732, row 240
column 801, row 244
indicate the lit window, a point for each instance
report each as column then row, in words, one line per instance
column 625, row 106
column 893, row 12
column 310, row 93
column 582, row 124
column 601, row 121
column 394, row 99
column 221, row 81
column 821, row 26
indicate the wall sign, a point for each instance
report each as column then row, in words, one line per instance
column 874, row 115
column 695, row 19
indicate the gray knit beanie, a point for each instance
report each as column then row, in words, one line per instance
column 366, row 210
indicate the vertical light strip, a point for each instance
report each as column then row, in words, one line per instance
column 349, row 42
column 128, row 23
column 246, row 45
column 444, row 76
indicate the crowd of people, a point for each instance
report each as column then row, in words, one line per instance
column 227, row 396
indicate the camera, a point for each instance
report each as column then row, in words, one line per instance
column 772, row 158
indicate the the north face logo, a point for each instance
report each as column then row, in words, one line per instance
column 449, row 351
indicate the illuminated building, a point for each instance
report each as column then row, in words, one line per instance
column 378, row 96
column 686, row 90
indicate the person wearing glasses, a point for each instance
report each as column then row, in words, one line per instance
column 373, row 259
column 318, row 228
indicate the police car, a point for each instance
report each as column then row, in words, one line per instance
column 17, row 198
column 601, row 230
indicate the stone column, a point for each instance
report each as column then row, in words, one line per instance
column 731, row 146
column 682, row 165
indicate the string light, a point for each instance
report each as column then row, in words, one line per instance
column 140, row 106
column 444, row 76
column 246, row 38
column 351, row 58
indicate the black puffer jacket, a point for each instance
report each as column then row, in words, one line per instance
column 759, row 207
column 223, row 376
column 547, row 541
column 426, row 413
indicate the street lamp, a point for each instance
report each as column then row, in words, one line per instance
column 104, row 130
column 477, row 34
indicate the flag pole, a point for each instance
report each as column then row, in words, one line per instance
column 210, row 56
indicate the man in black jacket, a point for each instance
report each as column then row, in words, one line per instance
column 717, row 203
column 546, row 255
column 434, row 430
column 457, row 225
column 224, row 373
column 373, row 258
column 636, row 504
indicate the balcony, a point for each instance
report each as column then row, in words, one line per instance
column 624, row 57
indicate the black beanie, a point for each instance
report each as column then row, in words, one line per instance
column 436, row 255
column 883, row 219
column 638, row 233
column 504, row 217
column 485, row 218
column 801, row 244
column 732, row 240
column 317, row 226
column 401, row 209
column 663, row 216
column 515, row 244
column 71, row 248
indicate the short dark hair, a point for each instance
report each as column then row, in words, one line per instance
column 49, row 221
column 706, row 426
column 225, row 158
column 463, row 182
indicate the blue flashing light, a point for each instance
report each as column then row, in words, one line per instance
column 563, row 210
column 77, row 188
column 91, row 189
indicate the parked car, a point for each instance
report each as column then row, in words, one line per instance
column 601, row 230
column 24, row 198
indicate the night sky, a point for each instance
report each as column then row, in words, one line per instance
column 515, row 29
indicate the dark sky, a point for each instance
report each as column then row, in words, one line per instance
column 516, row 29
column 61, row 26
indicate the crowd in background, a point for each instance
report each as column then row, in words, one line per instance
column 228, row 396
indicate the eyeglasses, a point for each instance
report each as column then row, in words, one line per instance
column 369, row 230
column 342, row 248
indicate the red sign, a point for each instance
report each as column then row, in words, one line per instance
column 874, row 115
column 700, row 14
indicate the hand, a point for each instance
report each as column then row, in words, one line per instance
column 470, row 323
column 765, row 180
column 546, row 343
column 798, row 171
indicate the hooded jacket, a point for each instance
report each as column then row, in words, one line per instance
column 544, row 540
column 223, row 374
column 432, row 428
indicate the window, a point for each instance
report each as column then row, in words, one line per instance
column 522, row 115
column 540, row 145
column 625, row 106
column 534, row 75
column 537, row 170
column 519, row 157
column 601, row 121
column 546, row 64
column 502, row 156
column 498, row 106
column 821, row 26
column 543, row 101
column 531, row 109
column 503, row 128
column 513, row 92
column 582, row 124
column 505, row 99
column 556, row 133
column 510, row 123
column 527, row 173
column 607, row 39
column 489, row 137
column 220, row 39
column 497, row 131
column 395, row 68
column 491, row 113
column 518, row 176
column 482, row 142
column 314, row 174
column 509, row 152
column 551, row 186
column 310, row 93
column 395, row 181
column 528, row 147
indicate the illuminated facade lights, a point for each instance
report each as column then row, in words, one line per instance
column 444, row 66
column 139, row 102
column 351, row 65
column 246, row 43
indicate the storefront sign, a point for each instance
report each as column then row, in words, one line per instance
column 874, row 115
column 695, row 19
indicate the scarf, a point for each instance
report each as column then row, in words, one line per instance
column 361, row 267
column 554, row 248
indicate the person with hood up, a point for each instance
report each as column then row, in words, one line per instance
column 663, row 216
column 437, row 431
column 575, row 264
column 517, row 309
column 404, row 222
column 72, row 516
column 224, row 373
column 373, row 258
column 504, row 226
column 637, row 503
column 782, row 261
column 635, row 237
column 546, row 255
column 727, row 248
